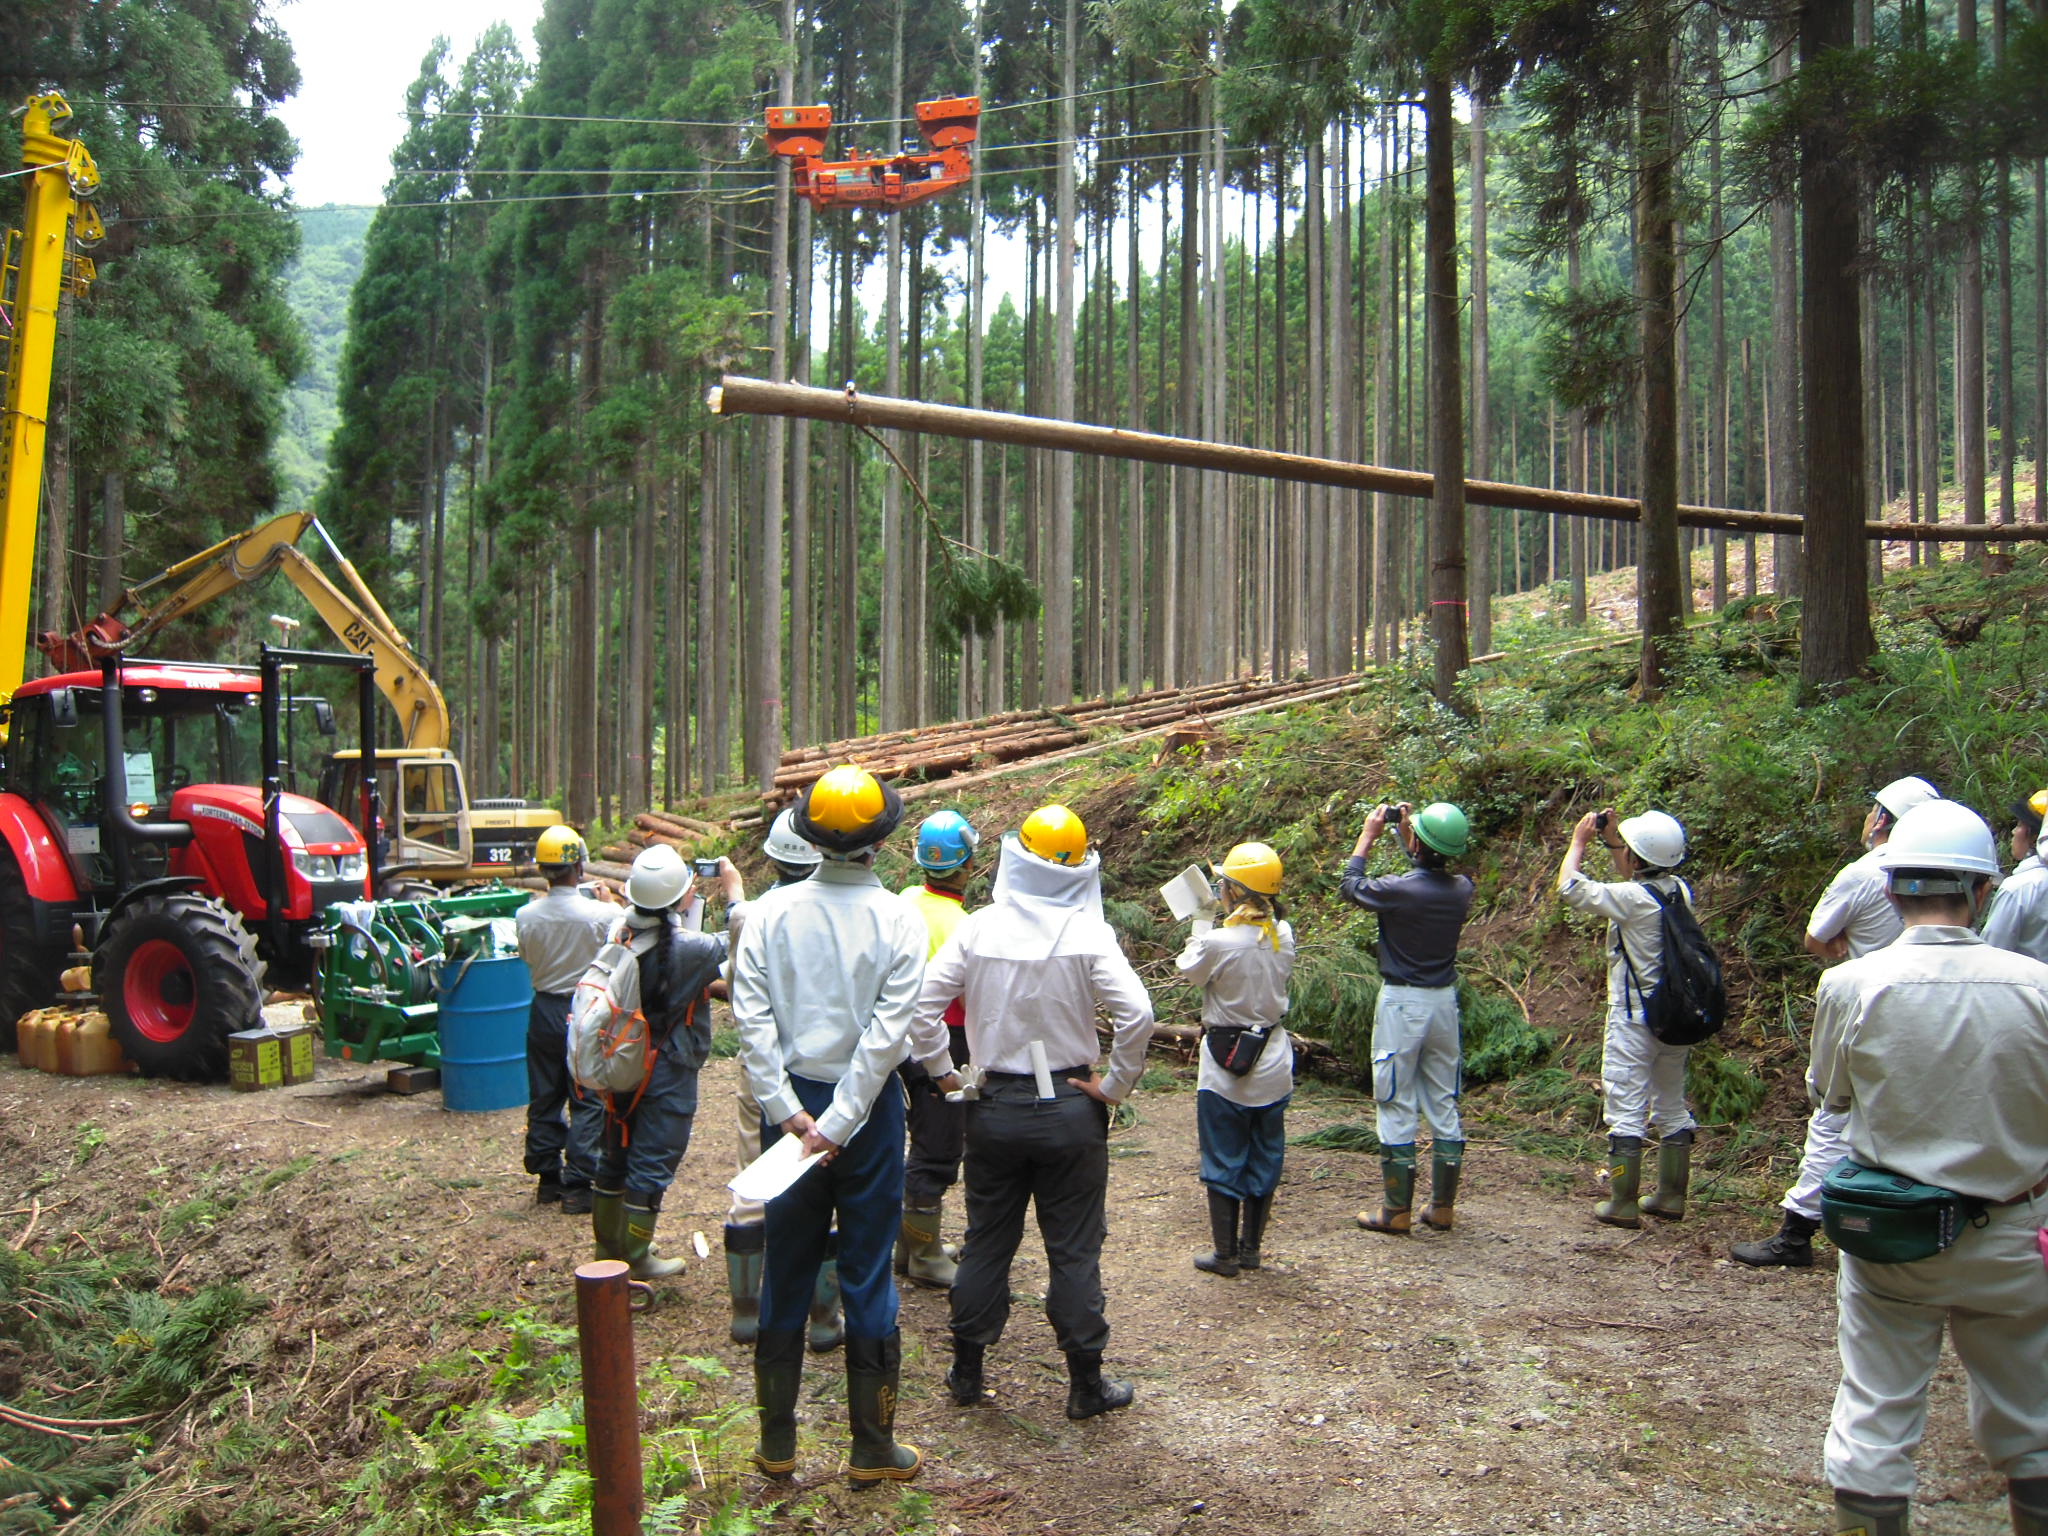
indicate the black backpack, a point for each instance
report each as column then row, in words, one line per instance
column 1689, row 1003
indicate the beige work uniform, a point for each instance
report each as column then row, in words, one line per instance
column 1937, row 1048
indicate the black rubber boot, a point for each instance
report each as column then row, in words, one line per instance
column 2028, row 1497
column 1222, row 1256
column 1674, row 1177
column 1625, row 1177
column 577, row 1200
column 778, row 1382
column 828, row 1322
column 964, row 1379
column 1862, row 1514
column 1397, row 1171
column 1256, row 1210
column 1087, row 1393
column 874, row 1369
column 1446, row 1161
column 1790, row 1246
column 548, row 1191
column 744, row 1250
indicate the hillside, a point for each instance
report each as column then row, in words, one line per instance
column 317, row 285
column 330, row 1308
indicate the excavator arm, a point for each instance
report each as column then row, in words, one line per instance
column 355, row 616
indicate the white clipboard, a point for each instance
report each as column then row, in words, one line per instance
column 774, row 1170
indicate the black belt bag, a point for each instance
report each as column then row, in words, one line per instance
column 1236, row 1048
column 1883, row 1217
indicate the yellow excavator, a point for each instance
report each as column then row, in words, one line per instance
column 441, row 836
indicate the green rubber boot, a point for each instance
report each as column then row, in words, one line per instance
column 1674, row 1177
column 778, row 1382
column 2029, row 1500
column 874, row 1369
column 1625, row 1176
column 1446, row 1158
column 1397, row 1169
column 828, row 1323
column 638, row 1250
column 744, row 1250
column 608, row 1222
column 925, row 1260
column 1861, row 1514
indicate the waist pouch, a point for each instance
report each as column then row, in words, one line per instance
column 1886, row 1218
column 1236, row 1048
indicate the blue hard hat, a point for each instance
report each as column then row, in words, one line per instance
column 945, row 841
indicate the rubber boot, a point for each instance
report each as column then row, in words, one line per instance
column 1256, row 1209
column 744, row 1250
column 1674, row 1177
column 1862, row 1514
column 2028, row 1497
column 828, row 1324
column 874, row 1369
column 1397, row 1168
column 1625, row 1175
column 638, row 1248
column 964, row 1379
column 1087, row 1393
column 778, row 1382
column 608, row 1222
column 1222, row 1256
column 1446, row 1159
column 1790, row 1246
column 925, row 1260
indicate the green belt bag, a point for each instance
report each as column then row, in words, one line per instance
column 1886, row 1218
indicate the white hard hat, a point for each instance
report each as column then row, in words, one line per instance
column 1655, row 838
column 1901, row 795
column 785, row 847
column 659, row 878
column 1940, row 835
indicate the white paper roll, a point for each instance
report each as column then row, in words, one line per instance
column 1040, row 1069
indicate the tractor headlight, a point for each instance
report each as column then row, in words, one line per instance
column 331, row 866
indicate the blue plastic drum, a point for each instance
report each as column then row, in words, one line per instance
column 484, row 1004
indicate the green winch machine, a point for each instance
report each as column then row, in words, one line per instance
column 377, row 986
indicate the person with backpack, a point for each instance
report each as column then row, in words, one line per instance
column 1853, row 917
column 946, row 842
column 824, row 983
column 793, row 861
column 1417, row 1053
column 1935, row 1048
column 647, row 1128
column 560, row 933
column 1247, row 1068
column 1649, row 914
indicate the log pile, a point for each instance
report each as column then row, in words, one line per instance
column 967, row 746
column 682, row 833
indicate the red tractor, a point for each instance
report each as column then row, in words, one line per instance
column 143, row 818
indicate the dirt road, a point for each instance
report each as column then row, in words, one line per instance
column 1529, row 1372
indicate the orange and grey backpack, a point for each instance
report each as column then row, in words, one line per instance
column 611, row 1041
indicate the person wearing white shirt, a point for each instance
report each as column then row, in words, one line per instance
column 1032, row 967
column 1853, row 917
column 1247, row 1062
column 2018, row 919
column 824, row 981
column 1935, row 1048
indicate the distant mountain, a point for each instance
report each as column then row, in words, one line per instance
column 317, row 286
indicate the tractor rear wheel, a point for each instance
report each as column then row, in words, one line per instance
column 28, row 967
column 178, row 974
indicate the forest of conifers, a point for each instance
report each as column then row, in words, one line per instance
column 1783, row 259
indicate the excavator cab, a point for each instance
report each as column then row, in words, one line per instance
column 426, row 804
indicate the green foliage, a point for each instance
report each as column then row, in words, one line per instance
column 971, row 594
column 1344, row 1136
column 1723, row 1089
column 1499, row 1042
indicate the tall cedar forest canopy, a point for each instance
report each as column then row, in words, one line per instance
column 1781, row 259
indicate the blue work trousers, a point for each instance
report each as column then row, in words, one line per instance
column 568, row 1156
column 645, row 1140
column 863, row 1186
column 1242, row 1147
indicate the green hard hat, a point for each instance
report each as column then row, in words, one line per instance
column 1444, row 828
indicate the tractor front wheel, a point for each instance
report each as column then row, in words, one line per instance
column 178, row 974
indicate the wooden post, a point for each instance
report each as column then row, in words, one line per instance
column 611, row 1397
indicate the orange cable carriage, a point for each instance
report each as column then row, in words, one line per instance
column 947, row 127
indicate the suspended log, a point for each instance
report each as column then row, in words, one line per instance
column 758, row 397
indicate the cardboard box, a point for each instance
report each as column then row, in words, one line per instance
column 255, row 1060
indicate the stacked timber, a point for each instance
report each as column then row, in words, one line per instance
column 965, row 746
column 682, row 833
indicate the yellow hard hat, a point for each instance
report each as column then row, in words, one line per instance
column 1253, row 866
column 560, row 847
column 1055, row 834
column 849, row 809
